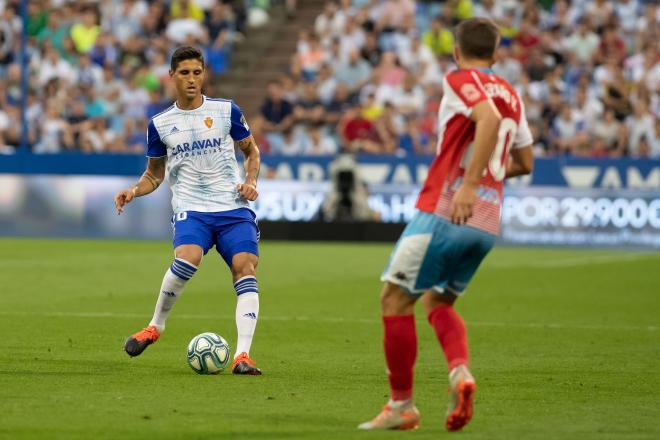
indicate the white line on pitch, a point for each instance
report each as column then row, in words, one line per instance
column 331, row 320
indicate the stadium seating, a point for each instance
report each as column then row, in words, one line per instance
column 589, row 74
column 361, row 75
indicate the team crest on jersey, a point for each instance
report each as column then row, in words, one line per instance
column 470, row 92
column 208, row 121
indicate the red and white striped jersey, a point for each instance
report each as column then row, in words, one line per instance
column 463, row 89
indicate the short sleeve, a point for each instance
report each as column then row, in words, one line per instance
column 467, row 87
column 523, row 135
column 239, row 128
column 155, row 147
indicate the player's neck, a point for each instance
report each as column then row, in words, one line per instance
column 475, row 64
column 189, row 104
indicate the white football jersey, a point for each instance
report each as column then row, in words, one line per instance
column 201, row 169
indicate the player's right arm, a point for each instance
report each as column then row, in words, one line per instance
column 148, row 183
column 487, row 122
column 154, row 174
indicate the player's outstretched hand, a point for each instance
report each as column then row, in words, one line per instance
column 248, row 191
column 122, row 198
column 462, row 204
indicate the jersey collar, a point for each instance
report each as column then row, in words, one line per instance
column 191, row 110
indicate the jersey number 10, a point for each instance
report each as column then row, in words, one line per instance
column 505, row 136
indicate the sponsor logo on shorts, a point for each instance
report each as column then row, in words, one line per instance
column 400, row 276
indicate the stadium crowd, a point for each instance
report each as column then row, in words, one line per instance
column 366, row 77
column 98, row 70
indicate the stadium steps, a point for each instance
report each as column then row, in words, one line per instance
column 264, row 55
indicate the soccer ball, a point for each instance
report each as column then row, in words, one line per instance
column 208, row 353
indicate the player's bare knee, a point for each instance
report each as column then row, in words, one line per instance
column 433, row 299
column 394, row 301
column 244, row 264
column 190, row 253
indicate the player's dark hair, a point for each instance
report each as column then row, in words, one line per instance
column 185, row 53
column 477, row 38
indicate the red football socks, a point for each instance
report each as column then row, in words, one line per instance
column 400, row 352
column 450, row 330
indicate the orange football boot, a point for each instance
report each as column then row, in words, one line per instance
column 137, row 343
column 243, row 364
column 462, row 389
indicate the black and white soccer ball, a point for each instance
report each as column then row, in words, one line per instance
column 208, row 353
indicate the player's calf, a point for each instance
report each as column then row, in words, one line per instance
column 247, row 310
column 180, row 272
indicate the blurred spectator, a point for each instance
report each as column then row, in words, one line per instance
column 583, row 42
column 358, row 134
column 640, row 126
column 55, row 32
column 507, row 66
column 354, row 73
column 586, row 108
column 341, row 102
column 416, row 56
column 277, row 112
column 55, row 133
column 611, row 45
column 390, row 72
column 184, row 27
column 312, row 59
column 327, row 84
column 439, row 38
column 611, row 132
column 567, row 130
column 371, row 51
column 320, row 143
column 97, row 137
column 309, row 108
column 330, row 23
column 408, row 98
column 292, row 141
column 85, row 32
column 53, row 67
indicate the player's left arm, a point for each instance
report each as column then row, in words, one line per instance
column 487, row 121
column 521, row 157
column 520, row 162
column 252, row 162
column 240, row 132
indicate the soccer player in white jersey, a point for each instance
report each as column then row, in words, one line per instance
column 192, row 145
column 483, row 139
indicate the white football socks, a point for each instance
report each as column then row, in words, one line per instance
column 173, row 283
column 247, row 312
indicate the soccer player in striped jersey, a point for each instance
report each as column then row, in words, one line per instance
column 192, row 145
column 483, row 139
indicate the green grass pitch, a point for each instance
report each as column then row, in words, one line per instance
column 564, row 343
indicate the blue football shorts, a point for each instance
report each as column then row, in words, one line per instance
column 435, row 254
column 231, row 232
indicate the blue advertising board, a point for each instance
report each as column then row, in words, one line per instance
column 562, row 172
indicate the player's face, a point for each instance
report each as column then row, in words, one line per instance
column 188, row 78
